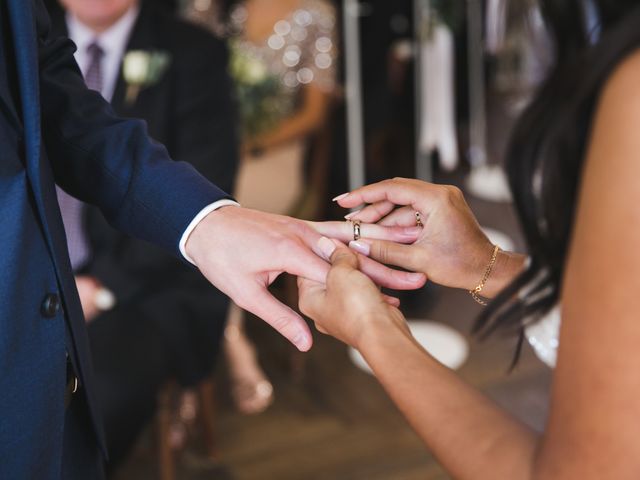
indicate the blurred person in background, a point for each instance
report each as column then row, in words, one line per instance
column 573, row 165
column 283, row 63
column 152, row 318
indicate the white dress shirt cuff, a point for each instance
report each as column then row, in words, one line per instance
column 198, row 218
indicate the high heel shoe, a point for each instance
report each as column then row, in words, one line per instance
column 251, row 391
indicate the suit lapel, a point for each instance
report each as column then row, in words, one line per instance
column 8, row 99
column 25, row 50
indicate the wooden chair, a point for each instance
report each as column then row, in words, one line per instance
column 167, row 413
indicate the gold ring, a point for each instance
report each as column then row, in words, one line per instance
column 356, row 229
column 419, row 220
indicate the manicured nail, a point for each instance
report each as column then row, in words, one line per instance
column 327, row 247
column 349, row 216
column 340, row 197
column 361, row 246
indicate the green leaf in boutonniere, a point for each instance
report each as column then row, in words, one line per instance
column 141, row 69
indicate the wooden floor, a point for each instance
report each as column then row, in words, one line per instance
column 337, row 423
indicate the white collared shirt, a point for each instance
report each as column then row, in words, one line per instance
column 113, row 41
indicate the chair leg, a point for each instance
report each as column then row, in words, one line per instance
column 206, row 392
column 166, row 460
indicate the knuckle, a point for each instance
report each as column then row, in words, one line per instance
column 280, row 322
column 382, row 252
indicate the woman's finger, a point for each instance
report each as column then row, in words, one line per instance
column 393, row 301
column 372, row 213
column 401, row 217
column 311, row 296
column 389, row 253
column 399, row 191
column 389, row 278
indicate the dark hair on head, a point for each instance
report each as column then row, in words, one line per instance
column 547, row 150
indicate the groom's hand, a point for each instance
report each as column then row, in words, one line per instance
column 242, row 251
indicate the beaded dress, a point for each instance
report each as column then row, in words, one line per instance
column 544, row 335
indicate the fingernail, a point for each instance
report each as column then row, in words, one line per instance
column 360, row 246
column 340, row 197
column 302, row 342
column 327, row 247
column 349, row 216
column 416, row 277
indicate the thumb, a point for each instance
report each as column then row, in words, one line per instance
column 389, row 253
column 287, row 322
column 343, row 257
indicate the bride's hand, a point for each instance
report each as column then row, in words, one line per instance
column 349, row 305
column 452, row 249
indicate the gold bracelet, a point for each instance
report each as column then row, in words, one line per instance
column 476, row 291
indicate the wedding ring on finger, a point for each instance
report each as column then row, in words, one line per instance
column 419, row 220
column 356, row 229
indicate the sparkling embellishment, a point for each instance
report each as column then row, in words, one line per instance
column 276, row 42
column 544, row 334
column 303, row 18
column 299, row 34
column 291, row 56
column 282, row 28
column 305, row 75
column 323, row 60
column 291, row 79
column 324, row 44
column 239, row 15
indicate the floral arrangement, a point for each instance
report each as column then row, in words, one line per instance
column 257, row 92
column 141, row 69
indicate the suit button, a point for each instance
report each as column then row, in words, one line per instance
column 50, row 305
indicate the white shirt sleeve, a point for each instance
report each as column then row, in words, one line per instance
column 198, row 218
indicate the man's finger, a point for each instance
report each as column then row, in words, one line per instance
column 389, row 253
column 390, row 278
column 290, row 325
column 344, row 231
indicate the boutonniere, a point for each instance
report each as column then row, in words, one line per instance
column 141, row 69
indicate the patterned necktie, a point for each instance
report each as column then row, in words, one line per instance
column 71, row 208
column 93, row 73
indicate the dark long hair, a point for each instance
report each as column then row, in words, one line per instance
column 548, row 146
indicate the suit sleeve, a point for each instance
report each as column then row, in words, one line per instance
column 109, row 161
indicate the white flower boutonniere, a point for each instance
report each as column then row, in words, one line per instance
column 143, row 69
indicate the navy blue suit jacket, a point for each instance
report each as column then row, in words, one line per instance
column 54, row 130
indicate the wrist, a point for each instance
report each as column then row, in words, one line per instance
column 196, row 244
column 380, row 326
column 507, row 267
